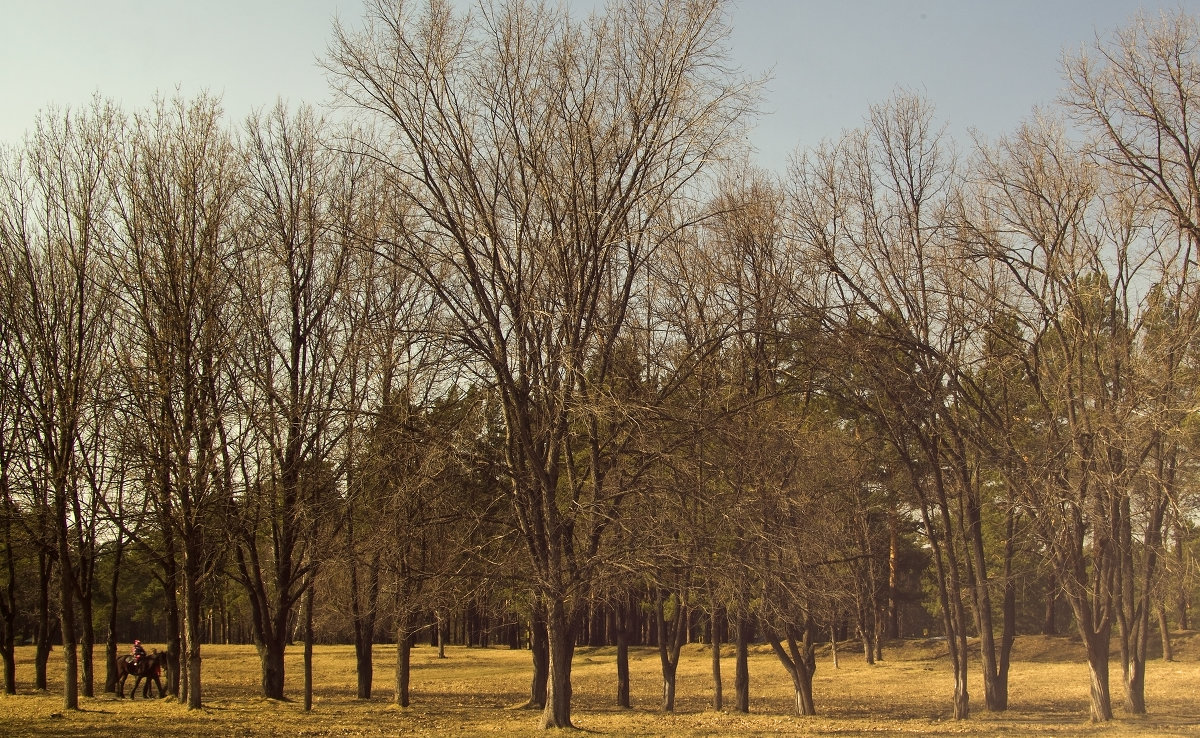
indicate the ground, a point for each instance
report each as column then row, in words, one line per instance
column 477, row 691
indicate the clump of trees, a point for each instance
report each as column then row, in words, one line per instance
column 524, row 352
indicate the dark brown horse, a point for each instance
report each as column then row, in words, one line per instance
column 148, row 668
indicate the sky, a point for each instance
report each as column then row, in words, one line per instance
column 984, row 64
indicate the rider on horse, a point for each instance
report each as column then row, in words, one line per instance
column 138, row 652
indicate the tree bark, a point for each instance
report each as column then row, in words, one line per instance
column 741, row 679
column 893, row 604
column 8, row 595
column 362, row 614
column 800, row 661
column 1181, row 599
column 559, row 629
column 70, row 648
column 364, row 663
column 539, row 646
column 87, row 649
column 403, row 658
column 718, row 701
column 270, row 655
column 174, row 631
column 671, row 635
column 1097, row 645
column 443, row 629
column 110, row 643
column 866, row 633
column 1050, row 620
column 1164, row 632
column 66, row 604
column 42, row 633
column 308, row 647
column 995, row 682
column 1009, row 606
column 192, row 623
column 946, row 566
column 625, row 613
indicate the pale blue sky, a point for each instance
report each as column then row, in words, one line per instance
column 983, row 64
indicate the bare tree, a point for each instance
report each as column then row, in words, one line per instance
column 12, row 389
column 1135, row 94
column 177, row 184
column 542, row 155
column 1076, row 254
column 292, row 268
column 53, row 234
column 874, row 208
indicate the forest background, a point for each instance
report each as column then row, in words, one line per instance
column 520, row 348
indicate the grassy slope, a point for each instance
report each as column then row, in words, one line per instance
column 473, row 692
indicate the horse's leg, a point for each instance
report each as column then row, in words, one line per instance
column 122, row 675
column 137, row 679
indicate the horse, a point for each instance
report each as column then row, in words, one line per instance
column 148, row 668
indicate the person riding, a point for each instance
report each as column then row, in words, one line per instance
column 138, row 652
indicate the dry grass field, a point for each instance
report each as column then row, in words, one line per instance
column 473, row 692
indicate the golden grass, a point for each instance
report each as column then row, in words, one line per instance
column 475, row 691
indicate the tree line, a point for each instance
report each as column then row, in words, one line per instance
column 523, row 335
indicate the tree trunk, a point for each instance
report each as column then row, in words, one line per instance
column 364, row 662
column 624, row 630
column 668, row 700
column 8, row 614
column 1134, row 631
column 443, row 629
column 10, row 663
column 949, row 583
column 87, row 649
column 191, row 631
column 866, row 634
column 741, row 679
column 66, row 604
column 1134, row 675
column 8, row 603
column 595, row 635
column 110, row 643
column 403, row 659
column 562, row 648
column 1164, row 632
column 171, row 575
column 1135, row 592
column 1097, row 645
column 995, row 679
column 70, row 648
column 308, row 648
column 1181, row 598
column 1050, row 620
column 539, row 646
column 893, row 605
column 1101, row 701
column 833, row 646
column 718, row 701
column 671, row 635
column 363, row 614
column 800, row 661
column 1009, row 633
column 174, row 641
column 42, row 634
column 270, row 654
column 623, row 671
